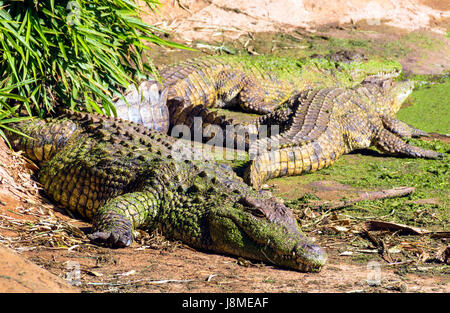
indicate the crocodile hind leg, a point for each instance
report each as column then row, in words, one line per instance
column 388, row 142
column 198, row 123
column 201, row 124
column 264, row 97
column 114, row 223
column 401, row 128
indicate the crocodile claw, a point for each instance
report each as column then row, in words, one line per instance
column 114, row 239
column 417, row 133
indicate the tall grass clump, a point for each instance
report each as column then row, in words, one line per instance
column 76, row 54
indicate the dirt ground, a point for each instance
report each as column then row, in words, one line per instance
column 207, row 19
column 34, row 231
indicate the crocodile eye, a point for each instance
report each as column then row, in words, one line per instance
column 252, row 206
column 257, row 212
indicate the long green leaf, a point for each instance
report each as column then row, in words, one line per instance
column 48, row 61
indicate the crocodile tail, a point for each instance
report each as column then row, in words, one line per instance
column 294, row 159
column 146, row 105
column 41, row 139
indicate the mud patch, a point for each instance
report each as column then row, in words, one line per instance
column 327, row 190
column 137, row 269
column 209, row 19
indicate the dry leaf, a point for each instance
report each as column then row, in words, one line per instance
column 382, row 225
column 339, row 229
column 96, row 274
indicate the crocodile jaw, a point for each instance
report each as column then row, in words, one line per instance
column 376, row 68
column 400, row 92
column 243, row 235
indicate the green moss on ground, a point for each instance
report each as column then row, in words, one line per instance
column 428, row 107
column 367, row 170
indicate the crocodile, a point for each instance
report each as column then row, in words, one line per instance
column 320, row 125
column 121, row 176
column 258, row 84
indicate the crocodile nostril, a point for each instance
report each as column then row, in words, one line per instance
column 313, row 252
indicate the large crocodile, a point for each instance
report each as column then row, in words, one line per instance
column 257, row 84
column 122, row 176
column 322, row 124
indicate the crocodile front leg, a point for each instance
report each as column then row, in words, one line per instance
column 114, row 222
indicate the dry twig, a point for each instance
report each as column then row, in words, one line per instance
column 369, row 195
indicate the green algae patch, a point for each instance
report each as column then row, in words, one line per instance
column 368, row 170
column 428, row 108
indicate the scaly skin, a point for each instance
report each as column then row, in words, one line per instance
column 122, row 176
column 144, row 105
column 323, row 124
column 257, row 84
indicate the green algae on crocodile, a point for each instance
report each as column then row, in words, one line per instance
column 122, row 176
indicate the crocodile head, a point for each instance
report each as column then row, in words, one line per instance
column 357, row 66
column 327, row 71
column 265, row 230
column 397, row 92
column 374, row 67
column 388, row 94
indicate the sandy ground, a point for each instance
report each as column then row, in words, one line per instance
column 41, row 233
column 20, row 275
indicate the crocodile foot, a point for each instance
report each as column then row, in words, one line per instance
column 112, row 229
column 114, row 239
